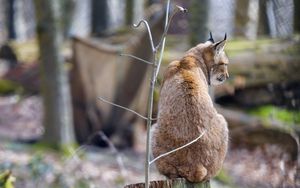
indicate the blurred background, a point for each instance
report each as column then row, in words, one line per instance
column 58, row 56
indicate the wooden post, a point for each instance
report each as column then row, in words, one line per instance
column 171, row 183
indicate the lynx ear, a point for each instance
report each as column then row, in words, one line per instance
column 211, row 39
column 219, row 46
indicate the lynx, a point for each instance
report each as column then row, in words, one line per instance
column 185, row 110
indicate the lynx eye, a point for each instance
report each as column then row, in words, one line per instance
column 220, row 64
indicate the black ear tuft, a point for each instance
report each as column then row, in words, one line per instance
column 211, row 38
column 225, row 37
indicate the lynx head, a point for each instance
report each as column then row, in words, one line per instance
column 218, row 61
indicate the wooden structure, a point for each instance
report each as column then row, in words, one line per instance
column 171, row 183
column 99, row 71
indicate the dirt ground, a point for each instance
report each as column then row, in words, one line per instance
column 91, row 167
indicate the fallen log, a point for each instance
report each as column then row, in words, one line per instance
column 258, row 78
column 238, row 119
column 264, row 68
column 260, row 69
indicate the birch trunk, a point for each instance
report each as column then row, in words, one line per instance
column 58, row 120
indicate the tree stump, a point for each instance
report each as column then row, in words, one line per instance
column 172, row 183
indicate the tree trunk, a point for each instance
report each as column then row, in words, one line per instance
column 198, row 21
column 129, row 11
column 99, row 17
column 67, row 8
column 241, row 17
column 263, row 25
column 252, row 24
column 58, row 120
column 3, row 22
column 296, row 15
column 11, row 19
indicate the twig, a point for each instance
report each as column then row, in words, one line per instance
column 156, row 65
column 132, row 111
column 137, row 58
column 167, row 26
column 149, row 32
column 122, row 107
column 179, row 148
column 150, row 102
column 115, row 151
column 155, row 71
column 73, row 155
column 163, row 38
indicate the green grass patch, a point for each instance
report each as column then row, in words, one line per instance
column 224, row 178
column 272, row 112
column 6, row 179
column 8, row 87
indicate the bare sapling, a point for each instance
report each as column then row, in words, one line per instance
column 155, row 65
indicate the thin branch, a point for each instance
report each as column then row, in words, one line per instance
column 168, row 23
column 179, row 148
column 73, row 156
column 116, row 153
column 149, row 32
column 152, row 84
column 137, row 58
column 132, row 111
column 163, row 38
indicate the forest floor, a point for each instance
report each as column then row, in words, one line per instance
column 34, row 165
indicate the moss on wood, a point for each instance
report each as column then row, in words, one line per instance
column 272, row 112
